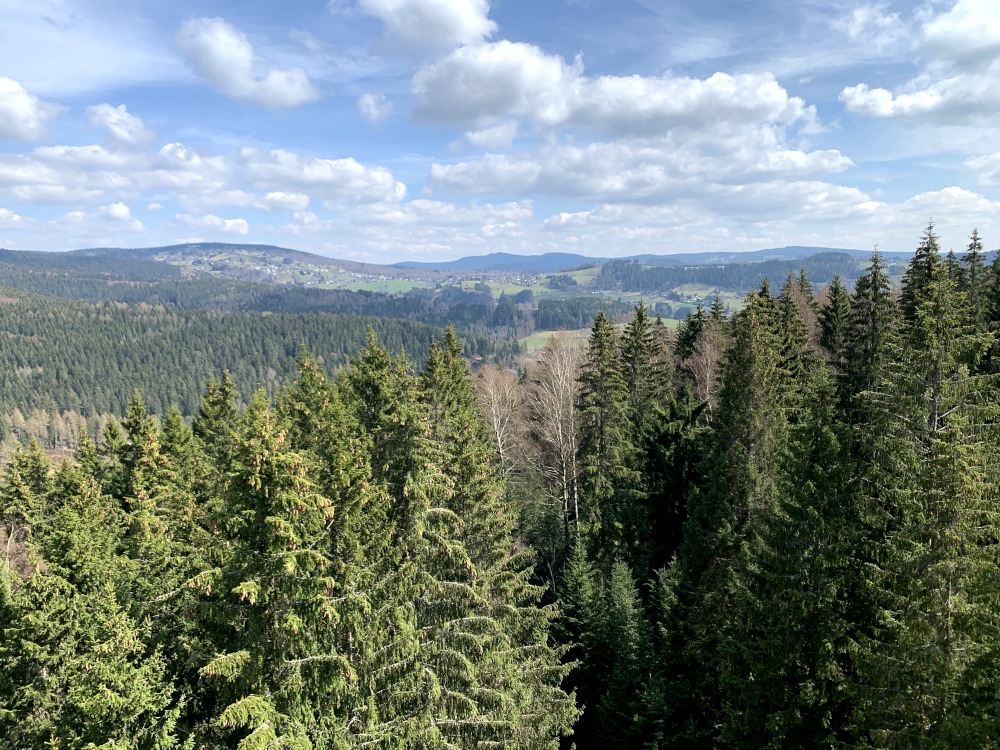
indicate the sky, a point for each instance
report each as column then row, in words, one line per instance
column 390, row 130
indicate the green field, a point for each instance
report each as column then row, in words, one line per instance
column 389, row 286
column 540, row 339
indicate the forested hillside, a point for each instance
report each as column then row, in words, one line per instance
column 771, row 529
column 338, row 571
column 89, row 358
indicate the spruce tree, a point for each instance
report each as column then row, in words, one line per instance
column 606, row 446
column 375, row 577
column 513, row 678
column 918, row 274
column 722, row 540
column 932, row 569
column 74, row 669
column 278, row 676
column 833, row 320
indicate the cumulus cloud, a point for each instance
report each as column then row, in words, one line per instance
column 119, row 213
column 958, row 85
column 23, row 116
column 198, row 179
column 9, row 219
column 215, row 224
column 500, row 135
column 332, row 179
column 444, row 213
column 484, row 84
column 124, row 128
column 374, row 107
column 418, row 26
column 967, row 34
column 221, row 53
column 637, row 171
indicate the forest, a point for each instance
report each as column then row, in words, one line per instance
column 771, row 529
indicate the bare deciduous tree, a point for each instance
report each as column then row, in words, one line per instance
column 500, row 400
column 706, row 362
column 552, row 397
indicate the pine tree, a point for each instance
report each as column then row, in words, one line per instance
column 806, row 591
column 641, row 356
column 581, row 627
column 217, row 419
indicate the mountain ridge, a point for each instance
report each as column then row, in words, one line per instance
column 551, row 262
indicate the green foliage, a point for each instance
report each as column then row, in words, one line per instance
column 778, row 530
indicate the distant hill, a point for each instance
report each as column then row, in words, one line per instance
column 493, row 262
column 204, row 250
column 547, row 263
column 553, row 262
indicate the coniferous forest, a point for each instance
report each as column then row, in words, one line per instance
column 775, row 529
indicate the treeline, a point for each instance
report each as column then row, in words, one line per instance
column 58, row 355
column 633, row 276
column 337, row 571
column 577, row 312
column 779, row 529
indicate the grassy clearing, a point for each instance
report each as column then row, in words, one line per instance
column 540, row 339
column 391, row 286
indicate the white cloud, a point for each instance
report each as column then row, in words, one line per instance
column 9, row 219
column 492, row 173
column 284, row 201
column 331, row 179
column 123, row 127
column 500, row 135
column 120, row 213
column 477, row 85
column 183, row 167
column 91, row 157
column 443, row 213
column 968, row 34
column 222, row 54
column 987, row 167
column 874, row 27
column 54, row 194
column 637, row 171
column 23, row 116
column 197, row 179
column 482, row 85
column 958, row 84
column 215, row 224
column 417, row 26
column 374, row 107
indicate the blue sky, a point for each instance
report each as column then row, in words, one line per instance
column 388, row 130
